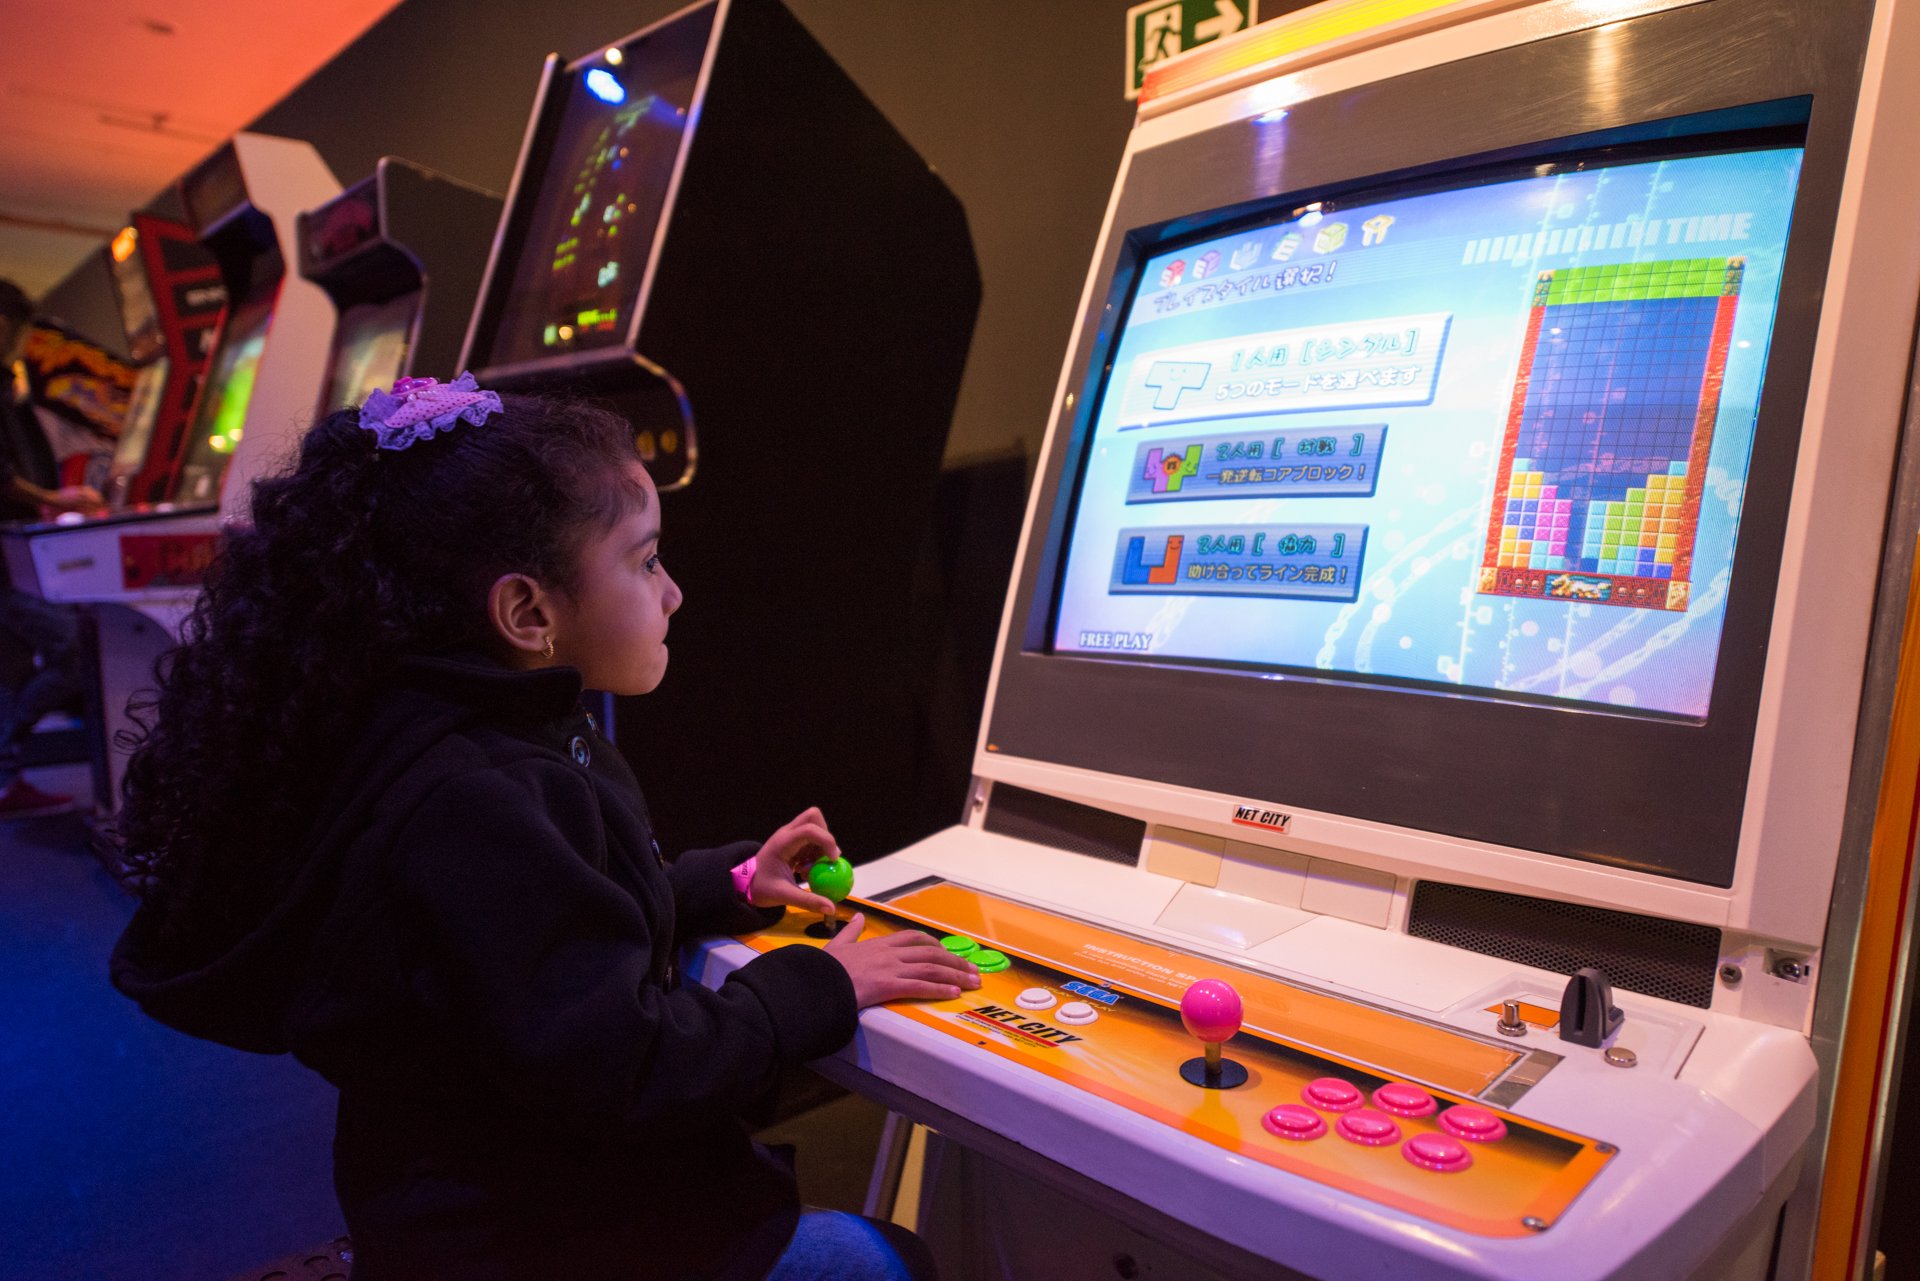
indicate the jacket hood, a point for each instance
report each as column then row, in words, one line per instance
column 239, row 995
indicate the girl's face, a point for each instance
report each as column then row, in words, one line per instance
column 613, row 626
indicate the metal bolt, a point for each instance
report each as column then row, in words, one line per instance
column 1620, row 1056
column 1510, row 1024
column 1533, row 1223
column 1792, row 968
column 1730, row 975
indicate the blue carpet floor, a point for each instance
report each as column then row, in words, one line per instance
column 128, row 1150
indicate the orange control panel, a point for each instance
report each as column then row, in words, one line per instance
column 1362, row 1099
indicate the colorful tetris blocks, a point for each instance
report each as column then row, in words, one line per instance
column 1637, row 536
column 1534, row 534
column 1641, row 535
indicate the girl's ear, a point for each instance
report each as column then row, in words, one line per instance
column 522, row 613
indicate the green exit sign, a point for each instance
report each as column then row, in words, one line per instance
column 1159, row 29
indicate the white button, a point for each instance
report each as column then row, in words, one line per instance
column 1077, row 1012
column 1034, row 998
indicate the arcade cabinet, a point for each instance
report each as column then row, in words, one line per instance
column 1461, row 610
column 259, row 394
column 171, row 299
column 139, row 311
column 136, row 431
column 145, row 345
column 139, row 569
column 713, row 230
column 400, row 253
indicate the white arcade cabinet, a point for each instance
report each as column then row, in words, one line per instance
column 1460, row 609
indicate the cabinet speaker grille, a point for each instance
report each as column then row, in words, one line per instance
column 1673, row 960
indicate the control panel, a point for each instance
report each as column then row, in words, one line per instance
column 1373, row 1102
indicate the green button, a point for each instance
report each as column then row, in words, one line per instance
column 988, row 961
column 959, row 944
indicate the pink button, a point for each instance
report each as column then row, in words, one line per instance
column 1476, row 1125
column 1436, row 1152
column 1402, row 1099
column 1374, row 1129
column 1331, row 1094
column 1294, row 1121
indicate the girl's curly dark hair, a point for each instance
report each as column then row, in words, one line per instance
column 354, row 559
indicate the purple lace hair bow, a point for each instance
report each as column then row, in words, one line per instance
column 419, row 408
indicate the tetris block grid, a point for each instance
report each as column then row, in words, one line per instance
column 1608, row 432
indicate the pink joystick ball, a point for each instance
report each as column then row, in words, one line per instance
column 1211, row 1010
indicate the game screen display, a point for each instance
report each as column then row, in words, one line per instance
column 142, row 409
column 220, row 414
column 138, row 315
column 371, row 349
column 1494, row 437
column 600, row 198
column 136, row 433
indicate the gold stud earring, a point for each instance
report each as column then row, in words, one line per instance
column 549, row 649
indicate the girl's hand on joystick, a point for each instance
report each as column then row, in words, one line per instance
column 908, row 965
column 785, row 857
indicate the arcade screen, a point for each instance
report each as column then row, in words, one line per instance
column 600, row 198
column 370, row 349
column 138, row 315
column 1493, row 437
column 142, row 408
column 220, row 413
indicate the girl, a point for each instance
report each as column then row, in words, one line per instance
column 370, row 824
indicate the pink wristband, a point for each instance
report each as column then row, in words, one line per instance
column 743, row 879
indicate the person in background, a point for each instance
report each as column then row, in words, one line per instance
column 41, row 666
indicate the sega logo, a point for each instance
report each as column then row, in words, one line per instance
column 1092, row 993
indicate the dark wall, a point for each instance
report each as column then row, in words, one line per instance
column 88, row 302
column 1017, row 105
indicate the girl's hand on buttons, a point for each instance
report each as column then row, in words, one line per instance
column 908, row 965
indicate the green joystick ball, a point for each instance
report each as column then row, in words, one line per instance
column 830, row 878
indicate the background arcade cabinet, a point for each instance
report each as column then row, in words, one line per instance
column 171, row 301
column 712, row 229
column 400, row 254
column 140, row 569
column 147, row 347
column 1462, row 606
column 258, row 397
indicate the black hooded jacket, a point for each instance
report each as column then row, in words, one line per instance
column 478, row 951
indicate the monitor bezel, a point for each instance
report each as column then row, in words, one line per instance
column 1459, row 764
